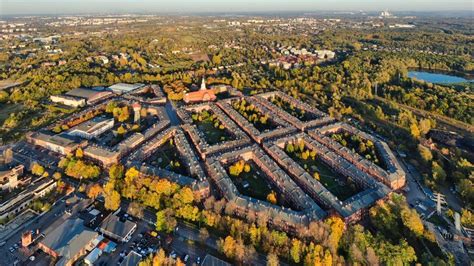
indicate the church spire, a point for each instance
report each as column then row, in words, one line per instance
column 203, row 84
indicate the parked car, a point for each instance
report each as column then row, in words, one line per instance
column 173, row 254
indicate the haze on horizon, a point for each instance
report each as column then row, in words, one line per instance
column 31, row 7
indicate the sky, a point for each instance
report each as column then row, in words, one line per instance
column 15, row 7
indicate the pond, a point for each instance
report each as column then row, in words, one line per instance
column 437, row 77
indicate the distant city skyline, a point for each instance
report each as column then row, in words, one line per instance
column 19, row 7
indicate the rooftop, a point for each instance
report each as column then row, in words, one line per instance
column 84, row 93
column 115, row 226
column 69, row 238
column 132, row 259
column 62, row 140
column 210, row 260
column 124, row 87
column 92, row 125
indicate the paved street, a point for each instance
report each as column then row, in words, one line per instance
column 55, row 216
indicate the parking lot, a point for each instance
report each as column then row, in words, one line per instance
column 28, row 153
column 147, row 242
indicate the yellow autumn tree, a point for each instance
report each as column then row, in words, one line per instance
column 272, row 197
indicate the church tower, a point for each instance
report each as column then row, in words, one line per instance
column 203, row 84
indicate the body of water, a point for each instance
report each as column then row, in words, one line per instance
column 436, row 77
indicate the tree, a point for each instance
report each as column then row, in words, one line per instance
column 316, row 176
column 116, row 171
column 439, row 175
column 272, row 259
column 414, row 131
column 412, row 221
column 165, row 222
column 467, row 218
column 401, row 254
column 160, row 258
column 160, row 221
column 237, row 168
column 79, row 153
column 356, row 46
column 216, row 59
column 121, row 130
column 227, row 246
column 4, row 96
column 425, row 126
column 135, row 209
column 371, row 257
column 271, row 197
column 425, row 153
column 327, row 260
column 295, row 250
column 94, row 191
column 112, row 198
column 336, row 226
column 57, row 175
column 247, row 168
column 290, row 148
column 37, row 169
column 203, row 235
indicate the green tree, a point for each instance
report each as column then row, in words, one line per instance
column 37, row 169
column 425, row 153
column 295, row 250
column 412, row 221
column 439, row 175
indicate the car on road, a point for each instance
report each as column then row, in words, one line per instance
column 186, row 258
column 198, row 260
column 173, row 254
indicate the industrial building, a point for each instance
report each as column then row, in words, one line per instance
column 92, row 128
column 122, row 88
column 80, row 97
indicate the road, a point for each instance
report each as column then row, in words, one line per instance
column 55, row 216
column 170, row 108
column 191, row 232
column 454, row 247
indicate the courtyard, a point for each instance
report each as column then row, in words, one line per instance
column 341, row 186
column 251, row 181
column 212, row 128
column 168, row 157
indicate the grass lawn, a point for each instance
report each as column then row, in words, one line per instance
column 213, row 135
column 167, row 157
column 365, row 148
column 258, row 185
column 291, row 109
column 254, row 116
column 342, row 187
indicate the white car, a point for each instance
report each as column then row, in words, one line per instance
column 32, row 258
